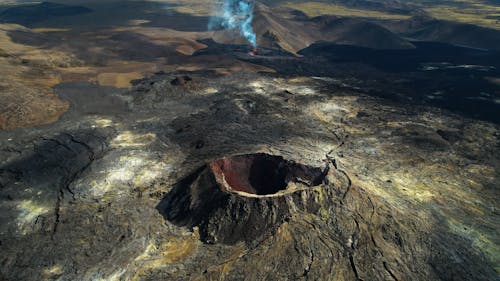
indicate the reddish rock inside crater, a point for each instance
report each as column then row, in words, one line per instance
column 263, row 174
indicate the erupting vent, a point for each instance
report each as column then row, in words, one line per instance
column 263, row 174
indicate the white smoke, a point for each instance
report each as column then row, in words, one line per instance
column 235, row 15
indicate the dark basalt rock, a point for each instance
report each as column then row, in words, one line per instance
column 181, row 80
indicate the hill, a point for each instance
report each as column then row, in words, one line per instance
column 34, row 13
column 274, row 30
column 458, row 34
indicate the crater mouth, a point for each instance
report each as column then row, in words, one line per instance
column 264, row 175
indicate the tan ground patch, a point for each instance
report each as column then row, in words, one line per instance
column 185, row 50
column 50, row 29
column 26, row 78
column 475, row 13
column 191, row 7
column 38, row 105
column 118, row 80
column 313, row 9
column 7, row 44
column 190, row 47
column 176, row 249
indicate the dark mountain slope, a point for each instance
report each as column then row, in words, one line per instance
column 459, row 34
column 34, row 13
column 426, row 28
column 357, row 32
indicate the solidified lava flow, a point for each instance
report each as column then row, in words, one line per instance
column 262, row 174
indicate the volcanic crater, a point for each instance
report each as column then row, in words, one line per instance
column 263, row 174
column 246, row 197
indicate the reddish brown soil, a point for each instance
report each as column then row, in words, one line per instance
column 235, row 172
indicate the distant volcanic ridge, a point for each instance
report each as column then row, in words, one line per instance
column 274, row 31
column 34, row 13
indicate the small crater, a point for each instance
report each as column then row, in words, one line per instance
column 244, row 197
column 263, row 174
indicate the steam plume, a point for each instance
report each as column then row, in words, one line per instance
column 236, row 15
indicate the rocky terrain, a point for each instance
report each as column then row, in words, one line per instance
column 144, row 147
column 48, row 43
column 144, row 187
